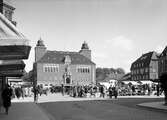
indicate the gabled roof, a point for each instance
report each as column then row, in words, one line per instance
column 145, row 59
column 164, row 52
column 58, row 57
column 126, row 77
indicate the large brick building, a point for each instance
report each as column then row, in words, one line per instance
column 145, row 68
column 63, row 67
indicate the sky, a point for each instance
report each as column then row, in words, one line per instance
column 117, row 31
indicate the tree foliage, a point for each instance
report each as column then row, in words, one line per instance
column 102, row 73
column 28, row 77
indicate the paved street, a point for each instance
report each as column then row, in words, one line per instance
column 121, row 109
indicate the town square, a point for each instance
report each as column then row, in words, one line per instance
column 83, row 60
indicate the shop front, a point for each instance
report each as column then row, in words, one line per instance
column 14, row 47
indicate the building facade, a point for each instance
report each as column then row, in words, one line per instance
column 7, row 10
column 64, row 67
column 163, row 62
column 14, row 47
column 145, row 68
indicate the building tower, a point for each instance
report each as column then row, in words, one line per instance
column 85, row 50
column 7, row 10
column 40, row 50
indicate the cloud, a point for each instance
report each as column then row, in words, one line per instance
column 121, row 42
column 116, row 52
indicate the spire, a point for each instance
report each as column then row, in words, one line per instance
column 40, row 42
column 85, row 46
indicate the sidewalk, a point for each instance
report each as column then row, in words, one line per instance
column 24, row 111
column 154, row 105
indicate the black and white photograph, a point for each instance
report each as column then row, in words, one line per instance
column 83, row 59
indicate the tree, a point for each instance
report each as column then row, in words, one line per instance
column 106, row 71
column 120, row 71
column 163, row 82
column 28, row 77
column 102, row 73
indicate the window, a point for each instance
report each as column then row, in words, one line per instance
column 146, row 69
column 83, row 69
column 46, row 69
column 50, row 68
column 146, row 76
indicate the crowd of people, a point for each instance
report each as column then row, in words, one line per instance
column 87, row 90
column 102, row 91
column 141, row 89
column 79, row 91
column 21, row 91
column 84, row 91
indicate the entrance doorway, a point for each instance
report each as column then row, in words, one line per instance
column 68, row 80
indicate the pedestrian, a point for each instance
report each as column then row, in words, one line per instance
column 62, row 89
column 101, row 89
column 1, row 102
column 158, row 91
column 6, row 96
column 110, row 91
column 115, row 92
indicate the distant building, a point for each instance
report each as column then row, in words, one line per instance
column 163, row 62
column 64, row 67
column 145, row 68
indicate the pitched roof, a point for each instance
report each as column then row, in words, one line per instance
column 164, row 52
column 58, row 57
column 145, row 59
column 126, row 77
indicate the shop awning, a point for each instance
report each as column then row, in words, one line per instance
column 6, row 65
column 12, row 73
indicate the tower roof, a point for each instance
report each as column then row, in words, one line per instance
column 84, row 45
column 40, row 42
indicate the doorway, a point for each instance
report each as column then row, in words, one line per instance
column 68, row 80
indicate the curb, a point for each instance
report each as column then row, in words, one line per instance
column 144, row 105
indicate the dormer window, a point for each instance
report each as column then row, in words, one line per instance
column 67, row 59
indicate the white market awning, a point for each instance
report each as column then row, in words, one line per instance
column 133, row 82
